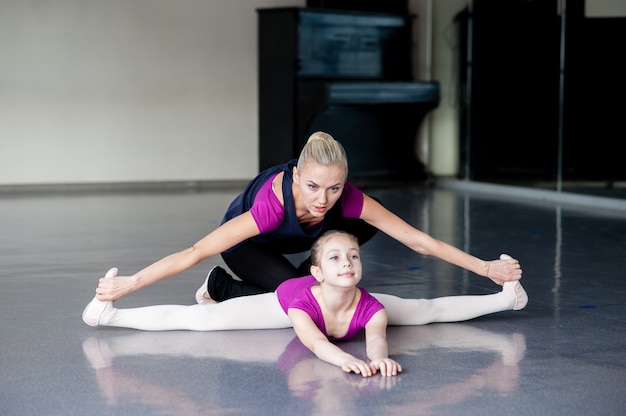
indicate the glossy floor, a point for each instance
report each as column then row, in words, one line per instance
column 564, row 354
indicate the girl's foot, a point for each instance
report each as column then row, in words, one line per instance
column 516, row 292
column 515, row 289
column 97, row 309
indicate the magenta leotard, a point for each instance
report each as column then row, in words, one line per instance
column 296, row 293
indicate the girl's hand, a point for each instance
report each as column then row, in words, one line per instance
column 354, row 365
column 506, row 269
column 386, row 366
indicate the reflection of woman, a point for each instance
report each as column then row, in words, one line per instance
column 283, row 210
column 326, row 305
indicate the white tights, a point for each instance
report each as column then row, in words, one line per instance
column 264, row 312
column 402, row 311
column 247, row 312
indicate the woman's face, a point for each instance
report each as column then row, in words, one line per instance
column 320, row 187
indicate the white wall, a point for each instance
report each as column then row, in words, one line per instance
column 100, row 91
column 125, row 91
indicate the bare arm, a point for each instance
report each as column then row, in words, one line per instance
column 310, row 335
column 225, row 236
column 376, row 345
column 499, row 271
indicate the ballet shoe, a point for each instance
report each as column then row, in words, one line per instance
column 96, row 308
column 202, row 294
column 521, row 297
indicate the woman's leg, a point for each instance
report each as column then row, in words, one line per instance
column 402, row 311
column 262, row 270
column 250, row 312
column 259, row 269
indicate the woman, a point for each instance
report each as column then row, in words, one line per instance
column 283, row 210
column 326, row 305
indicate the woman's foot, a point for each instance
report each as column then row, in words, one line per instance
column 96, row 310
column 215, row 286
column 202, row 294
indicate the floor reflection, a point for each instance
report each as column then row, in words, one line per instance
column 478, row 363
column 487, row 364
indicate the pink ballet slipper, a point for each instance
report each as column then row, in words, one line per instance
column 96, row 308
column 516, row 289
column 521, row 297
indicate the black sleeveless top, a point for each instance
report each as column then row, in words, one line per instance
column 290, row 236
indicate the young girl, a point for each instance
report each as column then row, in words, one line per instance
column 326, row 305
column 283, row 210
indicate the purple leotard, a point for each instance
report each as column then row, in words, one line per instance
column 278, row 225
column 296, row 293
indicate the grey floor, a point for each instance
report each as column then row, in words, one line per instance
column 565, row 354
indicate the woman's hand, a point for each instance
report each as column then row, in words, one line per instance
column 386, row 366
column 507, row 269
column 112, row 289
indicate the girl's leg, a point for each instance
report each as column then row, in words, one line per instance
column 452, row 308
column 250, row 312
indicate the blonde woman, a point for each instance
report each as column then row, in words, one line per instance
column 282, row 211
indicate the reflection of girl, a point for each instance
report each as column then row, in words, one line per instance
column 283, row 210
column 327, row 304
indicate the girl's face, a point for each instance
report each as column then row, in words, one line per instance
column 320, row 187
column 340, row 262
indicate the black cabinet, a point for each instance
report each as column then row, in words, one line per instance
column 346, row 73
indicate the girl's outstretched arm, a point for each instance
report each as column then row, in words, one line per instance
column 376, row 345
column 225, row 236
column 312, row 338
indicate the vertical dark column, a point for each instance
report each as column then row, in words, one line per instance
column 277, row 49
column 514, row 89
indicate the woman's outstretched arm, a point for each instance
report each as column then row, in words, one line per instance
column 225, row 236
column 500, row 271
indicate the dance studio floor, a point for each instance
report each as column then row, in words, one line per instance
column 565, row 354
